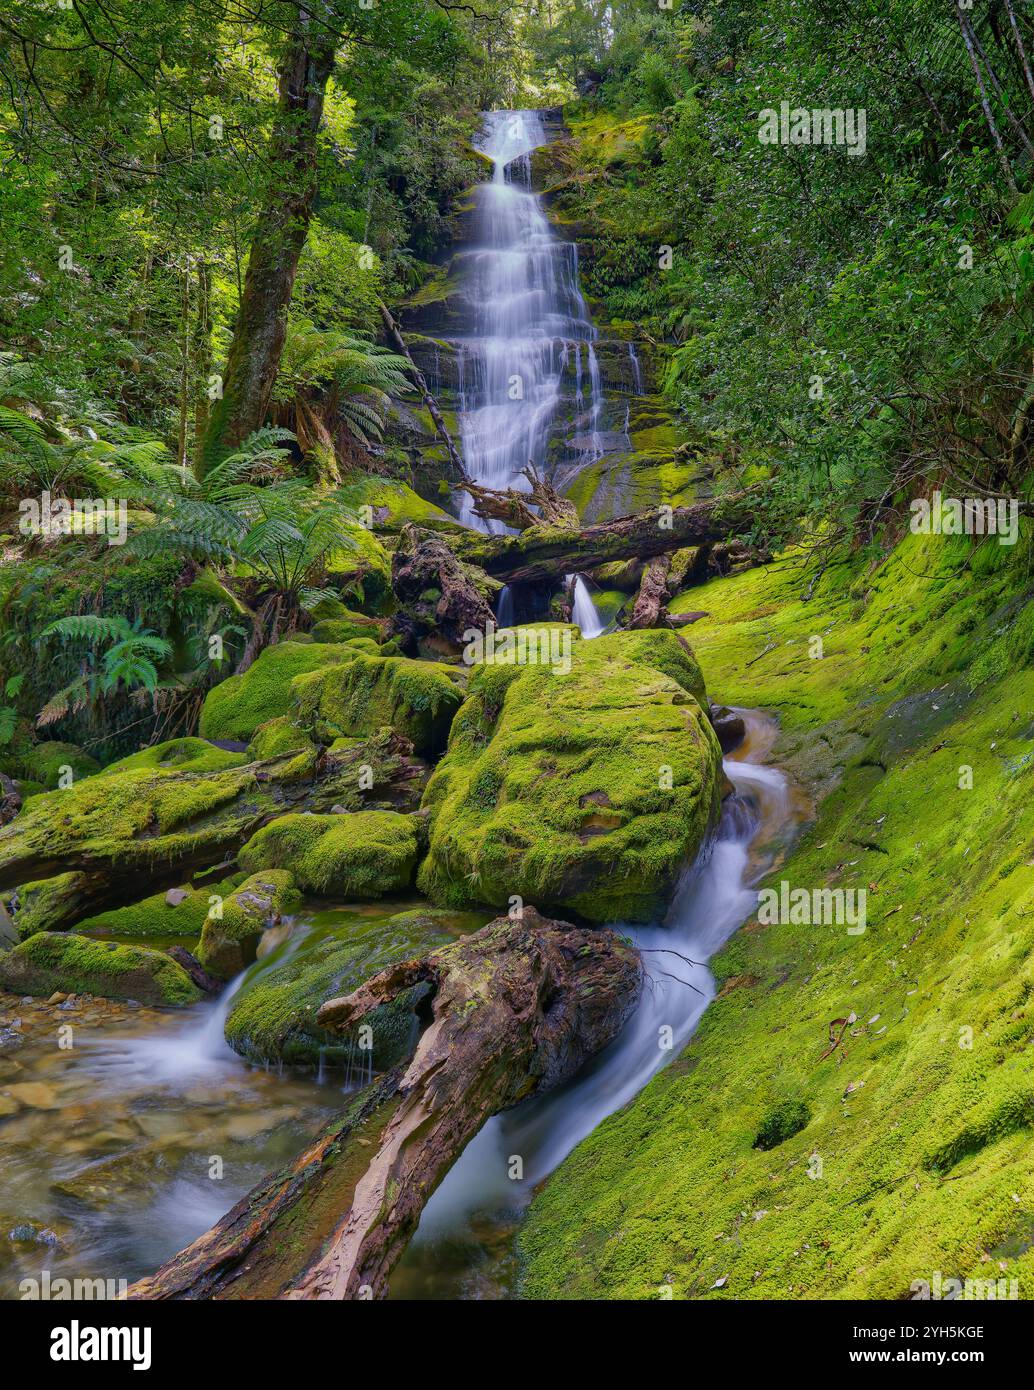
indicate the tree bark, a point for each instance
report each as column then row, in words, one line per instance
column 653, row 594
column 516, row 1008
column 282, row 226
column 549, row 552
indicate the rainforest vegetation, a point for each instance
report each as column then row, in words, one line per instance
column 341, row 339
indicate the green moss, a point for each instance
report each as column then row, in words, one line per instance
column 916, row 1157
column 233, row 925
column 556, row 787
column 279, row 737
column 235, row 708
column 51, row 961
column 44, row 762
column 366, row 854
column 273, row 1018
column 179, row 755
column 155, row 918
column 416, row 698
column 392, row 503
column 781, row 1122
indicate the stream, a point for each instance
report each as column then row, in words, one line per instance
column 125, row 1139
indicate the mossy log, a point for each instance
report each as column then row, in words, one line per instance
column 437, row 594
column 145, row 829
column 549, row 552
column 515, row 1008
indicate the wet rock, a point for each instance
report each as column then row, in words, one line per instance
column 728, row 725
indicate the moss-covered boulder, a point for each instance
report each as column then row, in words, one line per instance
column 234, row 925
column 235, row 708
column 178, row 912
column 273, row 1017
column 415, row 698
column 588, row 791
column 73, row 964
column 361, row 855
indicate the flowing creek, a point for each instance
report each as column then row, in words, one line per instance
column 125, row 1132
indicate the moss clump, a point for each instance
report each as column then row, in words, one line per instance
column 49, row 904
column 235, row 708
column 273, row 1018
column 365, row 854
column 782, row 1122
column 234, row 925
column 587, row 791
column 178, row 755
column 43, row 763
column 74, row 964
column 279, row 737
column 416, row 698
column 155, row 918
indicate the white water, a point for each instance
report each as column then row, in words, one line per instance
column 714, row 898
column 583, row 610
column 528, row 318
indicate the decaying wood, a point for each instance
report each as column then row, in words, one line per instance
column 543, row 553
column 433, row 408
column 514, row 1009
column 423, row 564
column 514, row 508
column 649, row 609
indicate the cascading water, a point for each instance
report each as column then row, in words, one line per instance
column 714, row 898
column 584, row 611
column 528, row 318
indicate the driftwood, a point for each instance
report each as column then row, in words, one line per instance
column 433, row 409
column 514, row 508
column 649, row 609
column 542, row 553
column 515, row 1008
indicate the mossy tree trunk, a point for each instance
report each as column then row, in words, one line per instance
column 281, row 228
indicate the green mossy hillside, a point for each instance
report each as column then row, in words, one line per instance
column 365, row 854
column 62, row 961
column 909, row 1150
column 235, row 708
column 584, row 791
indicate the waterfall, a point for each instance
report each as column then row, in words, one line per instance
column 527, row 316
column 583, row 610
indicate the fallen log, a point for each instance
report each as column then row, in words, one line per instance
column 515, row 1008
column 550, row 552
column 438, row 595
column 122, row 836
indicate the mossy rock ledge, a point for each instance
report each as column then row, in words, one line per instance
column 234, row 926
column 587, row 791
column 52, row 961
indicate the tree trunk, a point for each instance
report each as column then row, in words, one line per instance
column 516, row 1008
column 652, row 596
column 282, row 226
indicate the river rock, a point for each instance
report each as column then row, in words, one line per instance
column 50, row 961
